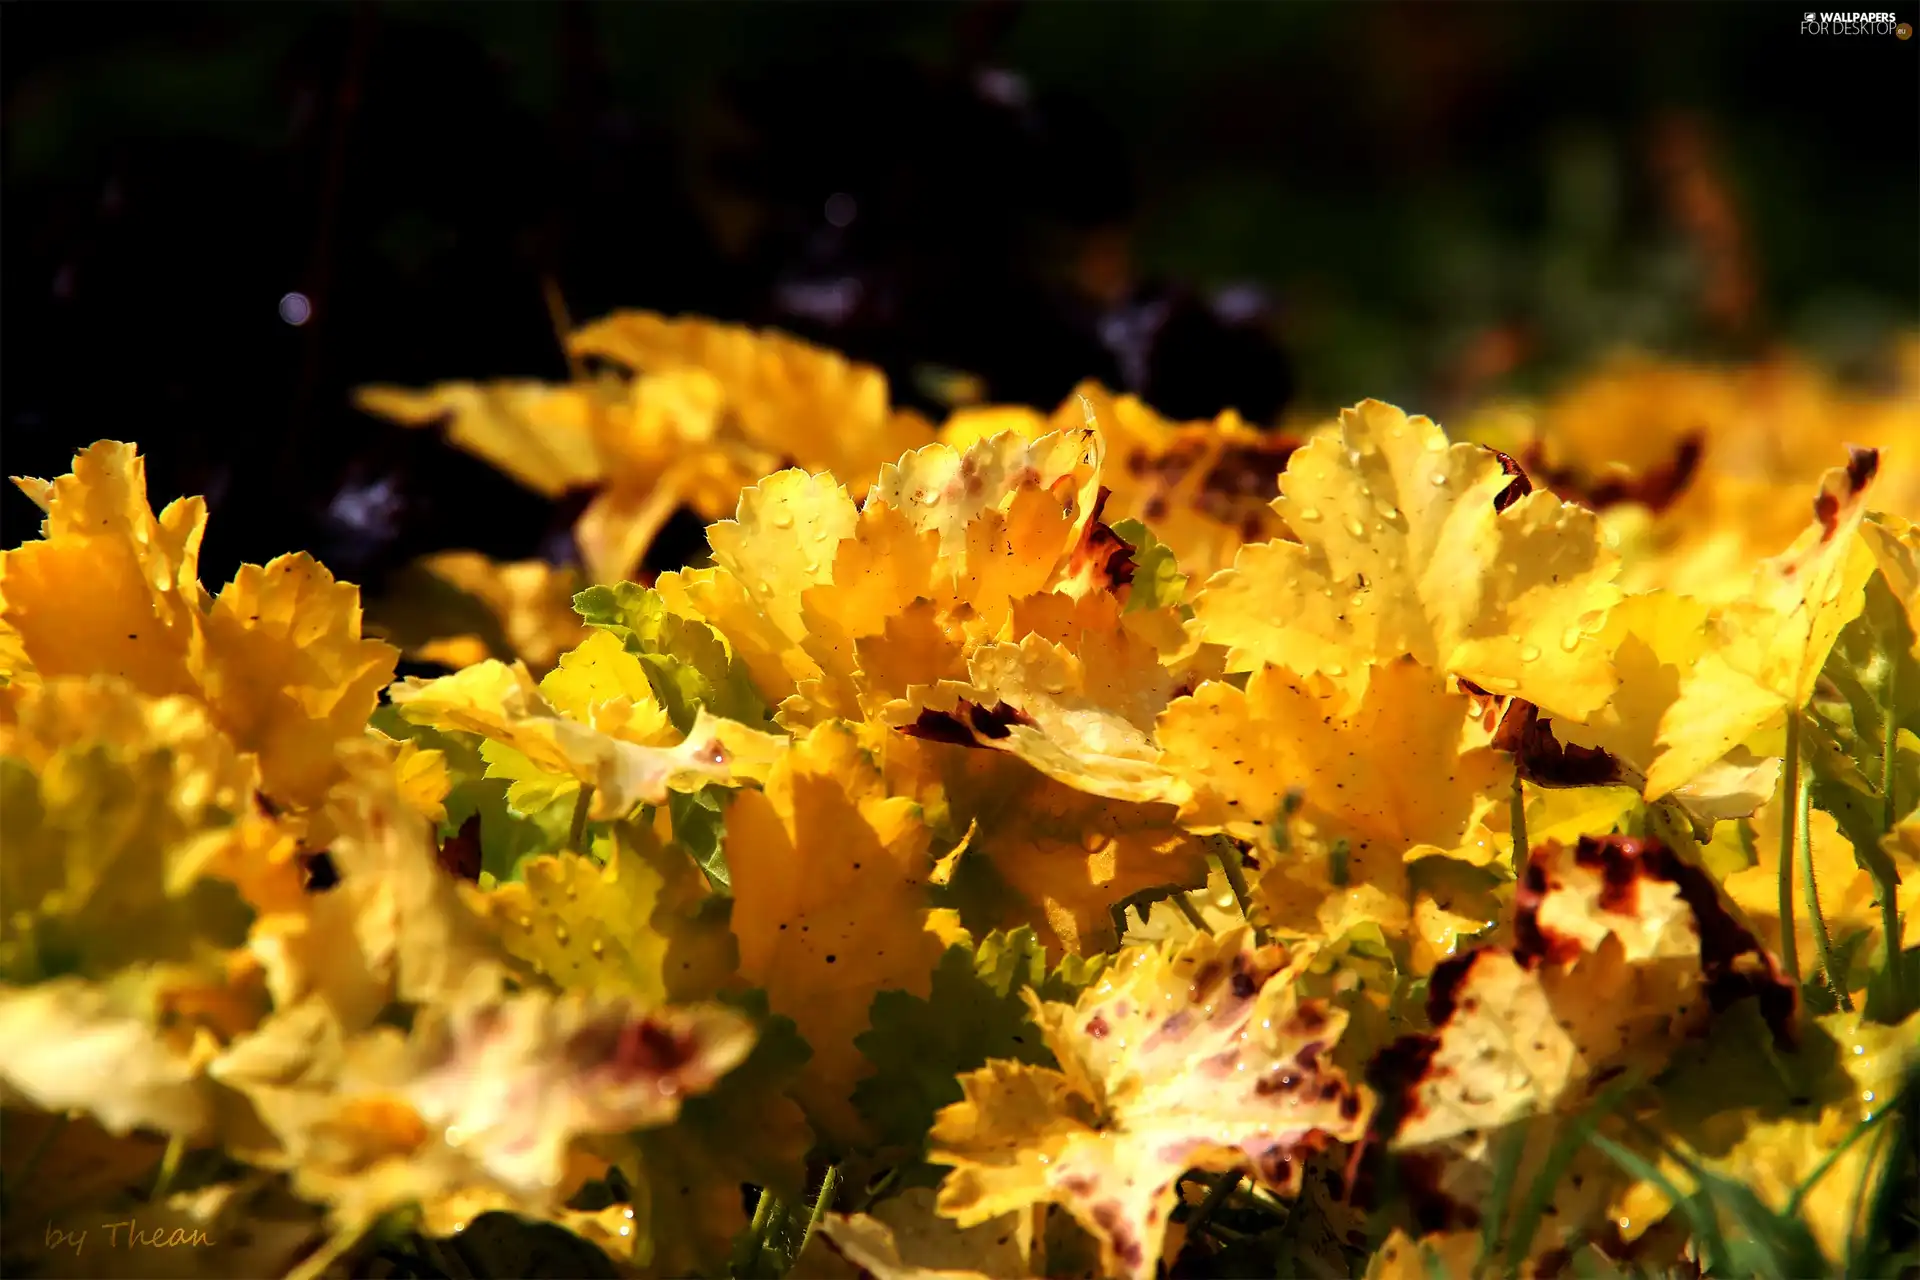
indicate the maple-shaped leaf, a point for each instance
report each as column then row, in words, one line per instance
column 973, row 1012
column 904, row 1238
column 118, row 809
column 1787, row 1135
column 456, row 608
column 1620, row 950
column 1198, row 1057
column 1021, row 848
column 1358, row 778
column 1204, row 488
column 639, row 925
column 782, row 539
column 281, row 663
column 1083, row 718
column 686, row 661
column 830, row 900
column 492, row 1100
column 541, row 435
column 141, row 606
column 1768, row 648
column 1411, row 546
column 501, row 703
column 788, row 395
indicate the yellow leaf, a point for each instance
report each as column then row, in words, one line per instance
column 1198, row 1057
column 1414, row 547
column 502, row 704
column 540, row 435
column 116, row 809
column 108, row 588
column 1618, row 946
column 1767, row 649
column 829, row 876
column 1380, row 765
column 282, row 666
column 457, row 608
column 1848, row 898
column 631, row 927
column 903, row 1238
column 788, row 395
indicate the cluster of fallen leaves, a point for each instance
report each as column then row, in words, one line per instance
column 1071, row 845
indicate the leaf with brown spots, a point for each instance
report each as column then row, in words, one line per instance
column 1620, row 951
column 1194, row 1057
column 830, row 879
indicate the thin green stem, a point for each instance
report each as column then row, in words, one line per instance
column 1822, row 940
column 169, row 1166
column 747, row 1250
column 1889, row 901
column 829, row 1183
column 1191, row 912
column 577, row 834
column 1229, row 855
column 1216, row 1196
column 1518, row 820
column 1789, row 805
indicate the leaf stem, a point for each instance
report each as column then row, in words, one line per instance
column 1216, row 1196
column 1517, row 819
column 577, row 834
column 1790, row 812
column 829, row 1183
column 1191, row 912
column 747, row 1250
column 1885, row 886
column 1803, row 847
column 1230, row 867
column 169, row 1166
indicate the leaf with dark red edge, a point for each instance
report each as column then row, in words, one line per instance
column 1199, row 1056
column 1620, row 951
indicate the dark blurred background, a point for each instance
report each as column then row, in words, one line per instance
column 220, row 218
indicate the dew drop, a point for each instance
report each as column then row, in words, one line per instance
column 1529, row 652
column 526, row 922
column 1438, row 479
column 1055, row 688
column 783, row 519
column 1355, row 528
column 560, row 934
column 1570, row 638
column 813, row 567
column 599, row 948
column 1388, row 511
column 927, row 497
column 1309, row 514
column 1335, row 669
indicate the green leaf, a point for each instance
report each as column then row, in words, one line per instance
column 507, row 838
column 1157, row 580
column 700, row 827
column 1870, row 675
column 687, row 662
column 973, row 1012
